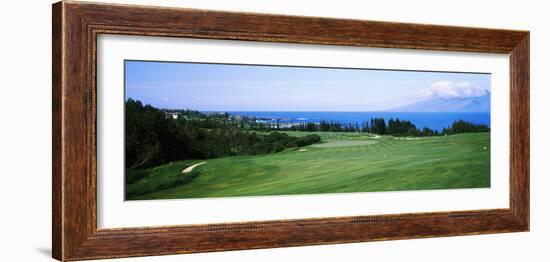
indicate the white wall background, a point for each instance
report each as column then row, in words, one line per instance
column 25, row 131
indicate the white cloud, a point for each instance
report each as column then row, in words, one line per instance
column 449, row 89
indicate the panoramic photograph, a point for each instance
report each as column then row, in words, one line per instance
column 203, row 130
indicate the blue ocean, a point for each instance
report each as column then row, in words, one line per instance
column 432, row 120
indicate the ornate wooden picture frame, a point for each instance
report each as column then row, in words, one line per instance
column 76, row 26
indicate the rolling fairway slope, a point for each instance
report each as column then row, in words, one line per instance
column 345, row 162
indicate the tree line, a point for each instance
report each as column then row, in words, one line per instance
column 153, row 138
column 462, row 126
column 379, row 126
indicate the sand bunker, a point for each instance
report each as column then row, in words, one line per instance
column 189, row 169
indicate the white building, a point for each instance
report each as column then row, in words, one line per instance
column 172, row 115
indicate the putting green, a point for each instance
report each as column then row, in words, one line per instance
column 345, row 143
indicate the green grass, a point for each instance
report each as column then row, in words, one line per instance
column 140, row 182
column 328, row 136
column 381, row 164
column 345, row 143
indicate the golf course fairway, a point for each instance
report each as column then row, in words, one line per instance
column 342, row 162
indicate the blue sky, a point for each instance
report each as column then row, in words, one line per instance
column 223, row 87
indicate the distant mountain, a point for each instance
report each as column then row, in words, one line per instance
column 456, row 104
